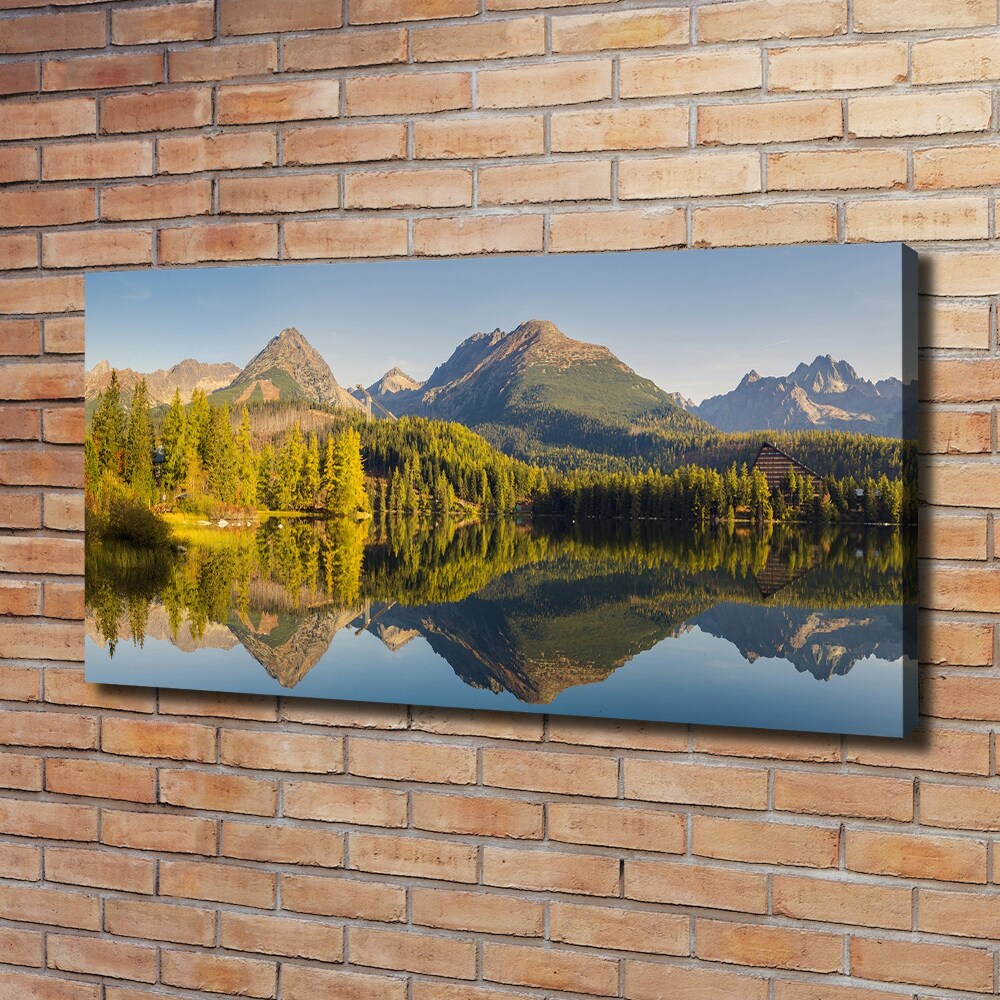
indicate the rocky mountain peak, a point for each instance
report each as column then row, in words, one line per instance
column 291, row 353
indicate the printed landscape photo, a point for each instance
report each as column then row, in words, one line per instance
column 661, row 486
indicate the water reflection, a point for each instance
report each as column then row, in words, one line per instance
column 618, row 620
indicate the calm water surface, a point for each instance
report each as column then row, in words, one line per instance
column 793, row 628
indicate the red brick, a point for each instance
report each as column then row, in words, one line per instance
column 223, row 62
column 218, row 792
column 409, row 93
column 45, row 467
column 48, row 729
column 282, row 936
column 478, row 912
column 363, row 805
column 20, row 336
column 20, row 683
column 68, row 687
column 373, row 48
column 253, row 17
column 103, row 72
column 101, row 869
column 20, row 947
column 283, row 844
column 37, row 906
column 768, row 947
column 965, row 914
column 19, row 510
column 220, row 242
column 412, row 952
column 412, row 761
column 544, row 85
column 19, row 78
column 922, row 963
column 41, row 295
column 282, row 752
column 50, row 32
column 17, row 598
column 486, row 40
column 562, row 773
column 418, row 857
column 47, row 820
column 160, row 922
column 247, row 104
column 550, row 968
column 64, row 425
column 909, row 855
column 843, row 795
column 217, row 883
column 158, row 831
column 64, row 335
column 20, row 772
column 18, row 251
column 268, row 195
column 94, row 248
column 18, row 163
column 176, row 22
column 961, row 807
column 20, row 861
column 647, row 981
column 765, row 843
column 550, row 871
column 348, row 898
column 839, row 902
column 753, row 19
column 218, row 974
column 156, row 201
column 345, row 143
column 697, row 884
column 32, row 987
column 470, row 235
column 692, row 784
column 353, row 237
column 478, row 815
column 381, row 11
column 620, row 929
column 226, row 151
column 218, row 704
column 40, row 207
column 99, row 779
column 17, row 423
column 172, row 740
column 946, row 750
column 156, row 111
column 306, row 983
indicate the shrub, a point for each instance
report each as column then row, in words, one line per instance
column 136, row 524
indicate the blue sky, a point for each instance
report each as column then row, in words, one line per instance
column 693, row 321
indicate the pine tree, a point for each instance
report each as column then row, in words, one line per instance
column 108, row 428
column 137, row 465
column 172, row 438
column 309, row 481
column 246, row 463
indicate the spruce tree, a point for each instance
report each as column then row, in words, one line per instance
column 172, row 437
column 108, row 428
column 246, row 463
column 137, row 465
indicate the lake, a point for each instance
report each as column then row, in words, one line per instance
column 791, row 627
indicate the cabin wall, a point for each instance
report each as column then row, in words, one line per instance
column 785, row 867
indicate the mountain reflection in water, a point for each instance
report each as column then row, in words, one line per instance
column 652, row 621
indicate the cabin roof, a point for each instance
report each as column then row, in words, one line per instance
column 767, row 448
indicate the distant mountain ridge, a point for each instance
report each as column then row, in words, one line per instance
column 184, row 377
column 537, row 382
column 825, row 395
column 500, row 376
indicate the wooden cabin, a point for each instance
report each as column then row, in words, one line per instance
column 776, row 465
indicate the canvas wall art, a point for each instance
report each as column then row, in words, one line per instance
column 660, row 486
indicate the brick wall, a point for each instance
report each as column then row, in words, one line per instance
column 179, row 845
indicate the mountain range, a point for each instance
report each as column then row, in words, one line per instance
column 536, row 373
column 827, row 394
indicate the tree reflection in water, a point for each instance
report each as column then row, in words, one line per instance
column 531, row 608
